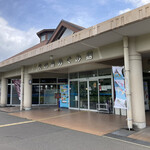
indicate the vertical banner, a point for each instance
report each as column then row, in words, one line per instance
column 119, row 84
column 64, row 96
column 17, row 84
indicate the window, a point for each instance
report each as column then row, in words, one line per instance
column 63, row 81
column 48, row 80
column 88, row 74
column 43, row 38
column 73, row 75
column 104, row 72
column 49, row 35
column 35, row 80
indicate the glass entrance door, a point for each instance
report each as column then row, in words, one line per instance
column 105, row 92
column 87, row 93
column 93, row 94
column 83, row 95
column 74, row 94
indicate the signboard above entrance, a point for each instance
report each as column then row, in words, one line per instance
column 61, row 62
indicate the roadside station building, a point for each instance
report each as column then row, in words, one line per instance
column 77, row 62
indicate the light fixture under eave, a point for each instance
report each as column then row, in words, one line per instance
column 51, row 57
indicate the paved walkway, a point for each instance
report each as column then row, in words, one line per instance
column 88, row 122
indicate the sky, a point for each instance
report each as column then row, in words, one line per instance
column 20, row 20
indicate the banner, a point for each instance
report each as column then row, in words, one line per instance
column 64, row 96
column 17, row 84
column 119, row 84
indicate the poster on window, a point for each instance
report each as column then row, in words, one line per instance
column 119, row 84
column 17, row 84
column 64, row 96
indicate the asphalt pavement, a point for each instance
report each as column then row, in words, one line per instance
column 22, row 134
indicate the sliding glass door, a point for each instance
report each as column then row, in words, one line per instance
column 87, row 93
column 83, row 89
column 74, row 102
column 93, row 94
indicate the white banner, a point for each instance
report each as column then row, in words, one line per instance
column 119, row 84
column 17, row 84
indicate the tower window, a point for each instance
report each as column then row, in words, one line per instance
column 43, row 37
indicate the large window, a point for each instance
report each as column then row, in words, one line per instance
column 88, row 74
column 92, row 73
column 73, row 75
column 47, row 94
column 104, row 72
column 44, row 89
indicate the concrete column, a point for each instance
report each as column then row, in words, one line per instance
column 3, row 91
column 27, row 91
column 137, row 93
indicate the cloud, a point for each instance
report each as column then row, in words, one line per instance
column 13, row 41
column 138, row 3
column 58, row 8
column 124, row 11
column 82, row 18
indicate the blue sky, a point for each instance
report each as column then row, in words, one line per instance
column 21, row 19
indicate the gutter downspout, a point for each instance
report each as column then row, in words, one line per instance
column 22, row 88
column 127, row 82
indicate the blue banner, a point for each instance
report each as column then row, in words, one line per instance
column 64, row 96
